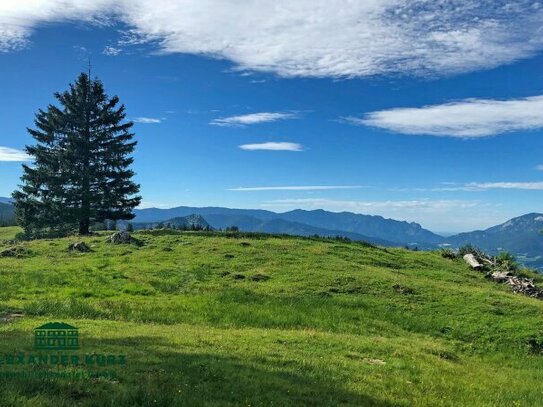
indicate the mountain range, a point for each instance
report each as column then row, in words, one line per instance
column 374, row 229
column 521, row 236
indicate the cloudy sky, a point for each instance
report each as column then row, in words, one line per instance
column 428, row 111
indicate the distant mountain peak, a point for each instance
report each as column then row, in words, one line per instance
column 530, row 219
column 189, row 220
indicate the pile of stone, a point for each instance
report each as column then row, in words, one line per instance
column 79, row 247
column 122, row 237
column 9, row 316
column 487, row 265
column 16, row 251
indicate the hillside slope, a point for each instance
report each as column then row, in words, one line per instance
column 237, row 319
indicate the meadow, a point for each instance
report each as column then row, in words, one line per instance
column 215, row 319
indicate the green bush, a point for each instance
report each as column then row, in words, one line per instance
column 470, row 249
column 506, row 262
column 448, row 254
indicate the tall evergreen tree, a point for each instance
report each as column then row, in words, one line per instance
column 81, row 172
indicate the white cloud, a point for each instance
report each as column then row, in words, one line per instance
column 310, row 37
column 253, row 118
column 272, row 146
column 13, row 155
column 470, row 118
column 111, row 51
column 372, row 206
column 19, row 18
column 538, row 186
column 485, row 186
column 539, row 167
column 296, row 188
column 475, row 187
column 147, row 120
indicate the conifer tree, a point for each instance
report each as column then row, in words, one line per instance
column 81, row 171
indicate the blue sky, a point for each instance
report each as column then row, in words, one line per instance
column 423, row 112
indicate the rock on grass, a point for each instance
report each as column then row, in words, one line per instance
column 123, row 238
column 79, row 247
column 16, row 251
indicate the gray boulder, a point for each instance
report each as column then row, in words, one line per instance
column 123, row 237
column 79, row 247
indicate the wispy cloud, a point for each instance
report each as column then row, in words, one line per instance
column 296, row 188
column 253, row 118
column 272, row 146
column 148, row 120
column 370, row 206
column 470, row 118
column 539, row 167
column 13, row 155
column 111, row 51
column 538, row 186
column 482, row 186
column 474, row 187
column 308, row 38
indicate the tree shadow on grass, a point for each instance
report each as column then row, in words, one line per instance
column 158, row 373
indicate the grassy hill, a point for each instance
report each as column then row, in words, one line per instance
column 253, row 320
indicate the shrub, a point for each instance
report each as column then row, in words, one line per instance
column 470, row 249
column 448, row 254
column 506, row 262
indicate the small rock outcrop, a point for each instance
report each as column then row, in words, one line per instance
column 10, row 316
column 400, row 289
column 122, row 237
column 79, row 247
column 16, row 251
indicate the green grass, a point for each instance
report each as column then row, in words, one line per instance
column 226, row 320
column 9, row 233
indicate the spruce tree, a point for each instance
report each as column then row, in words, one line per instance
column 81, row 163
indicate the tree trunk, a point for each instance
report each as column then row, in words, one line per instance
column 84, row 225
column 84, row 220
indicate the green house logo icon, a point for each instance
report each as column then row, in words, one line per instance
column 56, row 336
